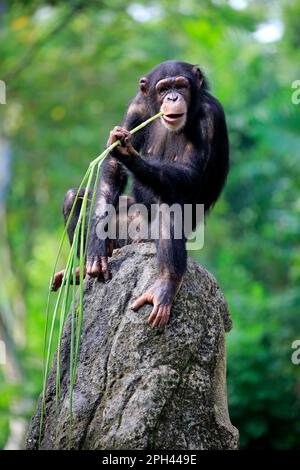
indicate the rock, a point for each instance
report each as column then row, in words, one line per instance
column 138, row 387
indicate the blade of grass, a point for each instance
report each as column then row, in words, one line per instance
column 93, row 200
column 81, row 276
column 56, row 263
column 72, row 351
column 72, row 345
column 68, row 273
column 48, row 344
column 63, row 314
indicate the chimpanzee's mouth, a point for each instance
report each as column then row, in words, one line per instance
column 172, row 118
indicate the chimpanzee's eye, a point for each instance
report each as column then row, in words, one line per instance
column 180, row 86
column 163, row 90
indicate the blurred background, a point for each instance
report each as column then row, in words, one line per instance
column 70, row 68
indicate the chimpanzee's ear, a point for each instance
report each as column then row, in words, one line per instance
column 144, row 82
column 198, row 75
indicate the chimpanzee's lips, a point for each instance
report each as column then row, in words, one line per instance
column 172, row 118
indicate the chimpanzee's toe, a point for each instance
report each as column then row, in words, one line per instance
column 57, row 280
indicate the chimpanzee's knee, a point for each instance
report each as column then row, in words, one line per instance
column 67, row 208
column 69, row 201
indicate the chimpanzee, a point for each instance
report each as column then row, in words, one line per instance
column 183, row 158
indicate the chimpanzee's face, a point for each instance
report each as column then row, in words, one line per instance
column 173, row 96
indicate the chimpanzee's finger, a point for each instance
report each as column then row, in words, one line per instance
column 143, row 299
column 153, row 314
column 165, row 316
column 119, row 136
column 112, row 138
column 93, row 266
column 122, row 130
column 105, row 269
column 110, row 248
column 57, row 280
column 127, row 138
column 155, row 318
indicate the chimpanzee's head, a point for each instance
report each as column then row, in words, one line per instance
column 173, row 87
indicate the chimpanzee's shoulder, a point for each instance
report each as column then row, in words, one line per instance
column 212, row 105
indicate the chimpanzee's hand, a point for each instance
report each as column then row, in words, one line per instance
column 97, row 262
column 125, row 149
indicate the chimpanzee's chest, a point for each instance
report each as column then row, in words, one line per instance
column 169, row 148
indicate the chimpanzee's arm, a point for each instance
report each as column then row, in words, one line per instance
column 113, row 174
column 204, row 169
column 173, row 182
column 170, row 181
column 112, row 183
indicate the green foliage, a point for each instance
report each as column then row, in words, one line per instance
column 69, row 79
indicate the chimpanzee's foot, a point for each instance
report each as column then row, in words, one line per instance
column 161, row 296
column 97, row 264
column 58, row 279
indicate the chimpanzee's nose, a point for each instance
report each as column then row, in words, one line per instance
column 173, row 97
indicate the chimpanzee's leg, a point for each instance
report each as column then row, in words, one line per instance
column 172, row 260
column 67, row 207
column 125, row 202
column 66, row 210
